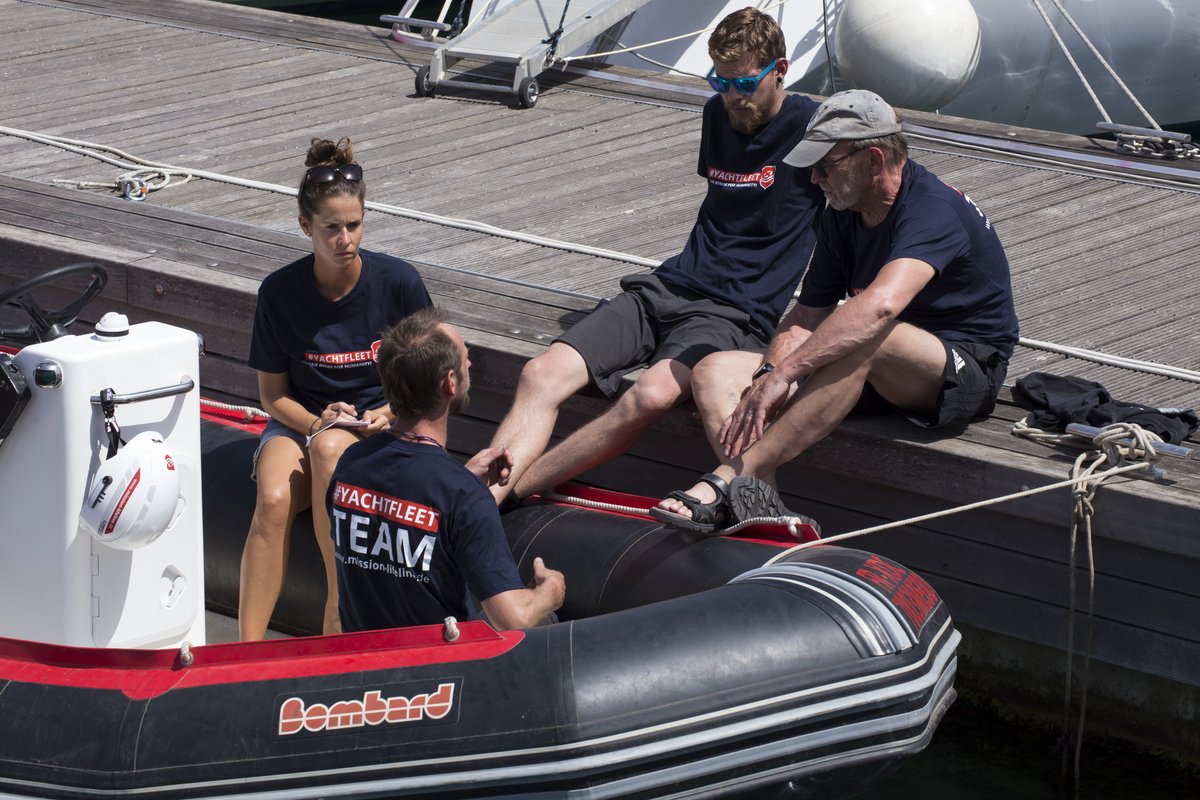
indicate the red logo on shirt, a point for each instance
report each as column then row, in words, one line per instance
column 355, row 498
column 764, row 177
column 352, row 359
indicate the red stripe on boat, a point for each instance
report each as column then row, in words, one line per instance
column 773, row 534
column 144, row 674
column 232, row 417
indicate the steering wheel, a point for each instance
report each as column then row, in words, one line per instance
column 46, row 325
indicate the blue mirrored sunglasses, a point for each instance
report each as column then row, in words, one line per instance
column 743, row 85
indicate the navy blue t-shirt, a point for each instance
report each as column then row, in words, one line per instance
column 755, row 231
column 415, row 534
column 970, row 299
column 328, row 348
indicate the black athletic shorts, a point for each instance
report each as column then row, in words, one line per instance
column 974, row 374
column 650, row 321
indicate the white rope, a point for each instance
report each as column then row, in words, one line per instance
column 142, row 177
column 956, row 510
column 1104, row 63
column 133, row 185
column 132, row 162
column 1111, row 441
column 1115, row 443
column 595, row 505
column 1085, row 494
column 250, row 413
column 1134, row 364
column 667, row 67
column 668, row 40
column 792, row 522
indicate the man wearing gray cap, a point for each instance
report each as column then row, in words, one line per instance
column 926, row 329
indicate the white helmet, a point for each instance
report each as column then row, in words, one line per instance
column 135, row 495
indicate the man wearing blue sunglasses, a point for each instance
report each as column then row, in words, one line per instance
column 726, row 290
column 746, row 115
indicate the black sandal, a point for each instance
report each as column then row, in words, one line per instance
column 706, row 517
column 751, row 497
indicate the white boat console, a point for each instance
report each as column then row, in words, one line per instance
column 59, row 582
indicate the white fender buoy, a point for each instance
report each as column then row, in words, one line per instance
column 916, row 54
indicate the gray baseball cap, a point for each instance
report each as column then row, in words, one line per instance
column 853, row 114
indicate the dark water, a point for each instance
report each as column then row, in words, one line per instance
column 977, row 753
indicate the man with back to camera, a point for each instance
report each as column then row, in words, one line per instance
column 727, row 289
column 927, row 330
column 417, row 536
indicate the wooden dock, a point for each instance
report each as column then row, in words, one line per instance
column 1105, row 257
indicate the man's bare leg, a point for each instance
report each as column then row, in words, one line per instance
column 657, row 391
column 718, row 383
column 545, row 384
column 906, row 365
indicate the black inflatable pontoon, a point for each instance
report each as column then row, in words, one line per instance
column 684, row 666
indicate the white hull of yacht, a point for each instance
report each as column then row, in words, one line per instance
column 1023, row 77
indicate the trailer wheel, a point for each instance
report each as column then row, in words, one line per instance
column 424, row 86
column 527, row 92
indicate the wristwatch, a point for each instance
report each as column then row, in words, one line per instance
column 767, row 367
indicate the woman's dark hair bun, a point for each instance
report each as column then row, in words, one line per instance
column 326, row 153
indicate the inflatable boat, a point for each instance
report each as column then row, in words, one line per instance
column 683, row 665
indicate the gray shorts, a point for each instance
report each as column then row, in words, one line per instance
column 274, row 428
column 974, row 374
column 649, row 322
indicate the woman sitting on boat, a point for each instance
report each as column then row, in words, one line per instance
column 316, row 335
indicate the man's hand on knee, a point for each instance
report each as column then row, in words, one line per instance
column 759, row 404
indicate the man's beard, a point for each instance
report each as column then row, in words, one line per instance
column 460, row 401
column 854, row 187
column 751, row 121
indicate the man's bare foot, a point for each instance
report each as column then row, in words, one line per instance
column 701, row 491
column 702, row 508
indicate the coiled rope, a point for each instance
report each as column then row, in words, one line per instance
column 1114, row 444
column 134, row 185
column 142, row 177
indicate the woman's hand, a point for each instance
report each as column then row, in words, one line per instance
column 376, row 421
column 332, row 413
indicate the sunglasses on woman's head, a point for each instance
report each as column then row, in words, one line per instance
column 743, row 85
column 350, row 172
